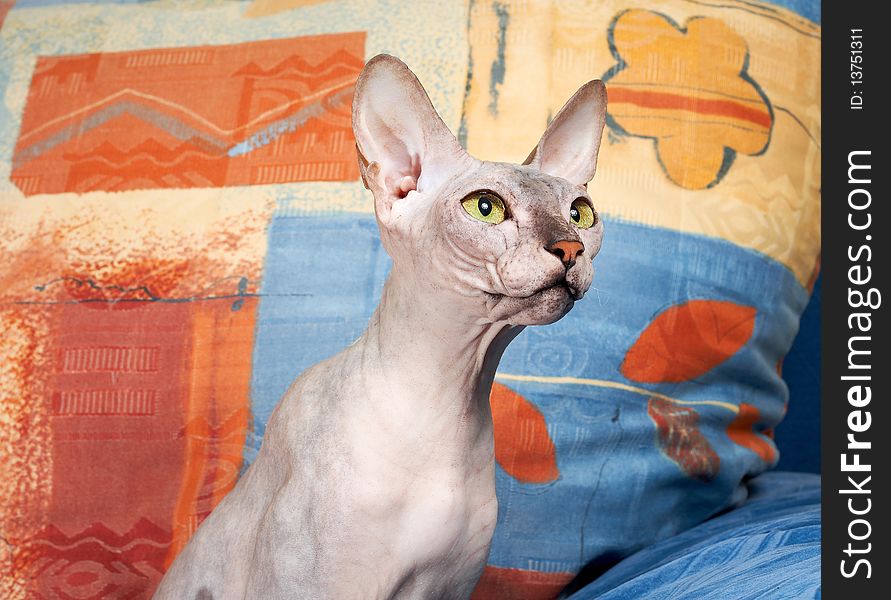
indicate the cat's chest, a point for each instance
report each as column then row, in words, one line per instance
column 426, row 478
column 425, row 514
column 417, row 508
column 433, row 530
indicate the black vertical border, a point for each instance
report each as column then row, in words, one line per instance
column 846, row 130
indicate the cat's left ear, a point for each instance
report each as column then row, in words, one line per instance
column 568, row 148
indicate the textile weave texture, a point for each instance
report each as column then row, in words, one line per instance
column 767, row 548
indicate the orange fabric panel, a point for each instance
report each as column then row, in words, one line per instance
column 262, row 112
column 499, row 583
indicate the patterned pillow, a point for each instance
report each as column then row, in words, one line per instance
column 643, row 411
column 167, row 176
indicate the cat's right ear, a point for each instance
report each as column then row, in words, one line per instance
column 570, row 144
column 403, row 144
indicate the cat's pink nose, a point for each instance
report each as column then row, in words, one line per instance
column 567, row 251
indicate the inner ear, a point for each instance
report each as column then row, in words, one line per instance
column 409, row 182
column 403, row 144
column 570, row 144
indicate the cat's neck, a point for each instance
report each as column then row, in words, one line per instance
column 428, row 368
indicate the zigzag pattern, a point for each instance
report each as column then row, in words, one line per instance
column 107, row 122
column 98, row 562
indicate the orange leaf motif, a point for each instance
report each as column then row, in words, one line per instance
column 687, row 340
column 523, row 447
column 681, row 440
column 742, row 432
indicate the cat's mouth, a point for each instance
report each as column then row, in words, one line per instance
column 563, row 285
column 576, row 293
column 543, row 306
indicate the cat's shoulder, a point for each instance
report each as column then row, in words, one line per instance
column 315, row 398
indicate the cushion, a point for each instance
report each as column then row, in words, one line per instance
column 659, row 396
column 796, row 436
column 168, row 173
column 767, row 548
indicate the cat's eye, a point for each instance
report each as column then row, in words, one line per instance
column 582, row 214
column 485, row 207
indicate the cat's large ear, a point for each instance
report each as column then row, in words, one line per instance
column 568, row 148
column 402, row 142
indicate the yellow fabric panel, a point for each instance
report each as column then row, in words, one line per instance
column 714, row 111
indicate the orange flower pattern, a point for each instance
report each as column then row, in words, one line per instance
column 686, row 88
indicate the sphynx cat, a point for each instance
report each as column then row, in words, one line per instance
column 376, row 477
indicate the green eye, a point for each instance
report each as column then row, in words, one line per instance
column 485, row 207
column 582, row 214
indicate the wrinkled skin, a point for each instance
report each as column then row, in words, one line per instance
column 508, row 265
column 376, row 474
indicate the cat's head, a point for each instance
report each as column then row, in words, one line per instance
column 509, row 243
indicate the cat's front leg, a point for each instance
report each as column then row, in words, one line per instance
column 316, row 550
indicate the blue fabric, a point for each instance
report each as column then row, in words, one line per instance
column 810, row 9
column 619, row 488
column 767, row 548
column 801, row 369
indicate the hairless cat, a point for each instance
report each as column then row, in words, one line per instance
column 376, row 477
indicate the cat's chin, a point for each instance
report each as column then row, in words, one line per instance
column 541, row 308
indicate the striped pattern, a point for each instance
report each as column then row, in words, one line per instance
column 108, row 402
column 319, row 171
column 698, row 104
column 117, row 359
column 168, row 58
